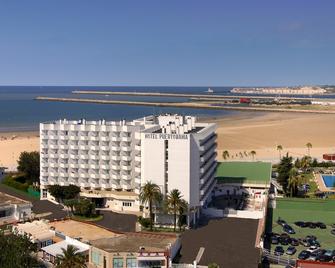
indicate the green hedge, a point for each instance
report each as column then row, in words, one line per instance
column 9, row 181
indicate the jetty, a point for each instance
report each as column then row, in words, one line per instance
column 182, row 95
column 190, row 105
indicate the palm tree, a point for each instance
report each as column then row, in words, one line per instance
column 174, row 203
column 279, row 149
column 151, row 194
column 293, row 182
column 70, row 258
column 309, row 146
column 183, row 206
column 253, row 153
column 225, row 154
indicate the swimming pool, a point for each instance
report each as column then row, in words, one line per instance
column 329, row 180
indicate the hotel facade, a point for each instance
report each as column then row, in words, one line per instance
column 110, row 160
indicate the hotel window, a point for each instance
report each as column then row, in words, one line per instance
column 127, row 204
column 131, row 263
column 44, row 193
column 118, row 263
column 95, row 258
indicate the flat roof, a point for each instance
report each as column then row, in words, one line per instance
column 38, row 230
column 132, row 242
column 85, row 231
column 56, row 249
column 6, row 199
column 244, row 172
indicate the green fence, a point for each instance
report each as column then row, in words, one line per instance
column 33, row 192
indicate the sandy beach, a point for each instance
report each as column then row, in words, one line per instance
column 238, row 134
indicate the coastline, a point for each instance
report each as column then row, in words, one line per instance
column 238, row 133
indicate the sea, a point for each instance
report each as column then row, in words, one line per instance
column 19, row 111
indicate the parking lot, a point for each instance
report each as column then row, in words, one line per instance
column 308, row 211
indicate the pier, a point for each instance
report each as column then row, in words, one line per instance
column 190, row 105
column 183, row 95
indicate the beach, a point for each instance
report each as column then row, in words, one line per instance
column 238, row 134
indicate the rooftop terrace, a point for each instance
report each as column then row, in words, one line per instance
column 244, row 172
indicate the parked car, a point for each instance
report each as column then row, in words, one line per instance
column 311, row 237
column 305, row 242
column 288, row 229
column 284, row 240
column 291, row 250
column 300, row 224
column 324, row 258
column 311, row 225
column 314, row 244
column 330, row 253
column 279, row 251
column 274, row 240
column 294, row 242
column 321, row 225
column 281, row 222
column 332, row 232
column 316, row 254
column 303, row 255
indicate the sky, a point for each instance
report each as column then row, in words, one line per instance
column 167, row 43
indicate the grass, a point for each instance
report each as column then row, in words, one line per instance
column 83, row 218
column 299, row 209
column 23, row 193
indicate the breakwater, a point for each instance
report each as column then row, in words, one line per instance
column 192, row 105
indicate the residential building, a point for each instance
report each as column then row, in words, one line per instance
column 110, row 160
column 13, row 209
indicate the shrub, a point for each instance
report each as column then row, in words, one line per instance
column 145, row 222
column 9, row 181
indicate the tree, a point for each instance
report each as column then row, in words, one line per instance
column 183, row 206
column 279, row 149
column 70, row 257
column 17, row 251
column 253, row 153
column 64, row 192
column 293, row 182
column 151, row 194
column 71, row 191
column 283, row 170
column 173, row 202
column 57, row 192
column 70, row 203
column 309, row 146
column 213, row 265
column 305, row 162
column 225, row 154
column 84, row 207
column 29, row 164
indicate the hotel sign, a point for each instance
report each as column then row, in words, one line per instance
column 163, row 136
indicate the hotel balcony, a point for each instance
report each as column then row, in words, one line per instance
column 84, row 175
column 138, row 170
column 115, row 139
column 63, row 156
column 63, row 165
column 104, row 138
column 94, row 176
column 53, row 174
column 53, row 165
column 73, row 165
column 94, row 147
column 138, row 147
column 73, row 156
column 115, row 176
column 53, row 146
column 73, row 175
column 105, row 167
column 53, row 156
column 126, row 167
column 94, row 166
column 84, row 184
column 85, row 166
column 63, row 146
column 74, row 147
column 83, row 156
column 94, row 138
column 125, row 177
column 63, row 175
column 116, row 157
column 138, row 180
column 104, row 148
column 83, row 138
column 115, row 167
column 125, row 185
column 126, row 139
column 73, row 137
column 84, row 147
column 115, row 148
column 44, row 173
column 104, row 176
column 126, row 158
column 73, row 181
column 53, row 137
column 138, row 158
column 115, row 184
column 104, row 157
column 126, row 148
column 94, row 156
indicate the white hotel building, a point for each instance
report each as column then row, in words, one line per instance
column 110, row 160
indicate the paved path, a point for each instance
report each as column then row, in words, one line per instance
column 118, row 222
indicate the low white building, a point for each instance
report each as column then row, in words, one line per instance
column 13, row 209
column 110, row 160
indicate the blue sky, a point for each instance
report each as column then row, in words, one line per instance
column 167, row 43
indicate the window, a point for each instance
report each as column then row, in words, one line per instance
column 127, row 204
column 131, row 263
column 95, row 258
column 44, row 193
column 118, row 263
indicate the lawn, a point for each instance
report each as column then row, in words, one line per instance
column 314, row 210
column 83, row 218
